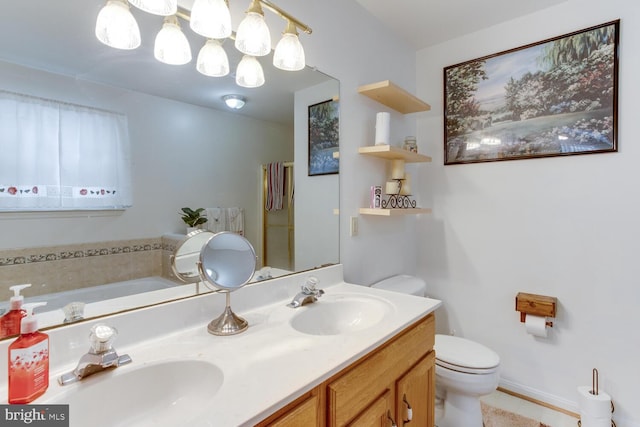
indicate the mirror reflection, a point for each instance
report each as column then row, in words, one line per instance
column 187, row 149
column 227, row 261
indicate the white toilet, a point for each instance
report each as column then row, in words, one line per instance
column 465, row 370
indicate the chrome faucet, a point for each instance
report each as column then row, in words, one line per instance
column 101, row 355
column 308, row 294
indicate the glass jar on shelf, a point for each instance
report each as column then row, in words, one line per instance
column 410, row 144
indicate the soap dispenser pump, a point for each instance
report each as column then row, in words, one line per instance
column 10, row 322
column 28, row 360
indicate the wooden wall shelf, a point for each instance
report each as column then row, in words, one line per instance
column 393, row 96
column 390, row 152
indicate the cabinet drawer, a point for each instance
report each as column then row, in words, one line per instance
column 351, row 392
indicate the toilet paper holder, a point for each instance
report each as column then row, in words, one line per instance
column 536, row 305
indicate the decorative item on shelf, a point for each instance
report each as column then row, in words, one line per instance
column 398, row 192
column 193, row 218
column 410, row 144
column 383, row 120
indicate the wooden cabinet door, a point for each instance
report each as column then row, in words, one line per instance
column 415, row 394
column 302, row 412
column 376, row 414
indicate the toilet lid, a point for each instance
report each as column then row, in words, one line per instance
column 464, row 355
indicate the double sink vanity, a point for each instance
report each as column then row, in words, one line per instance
column 356, row 356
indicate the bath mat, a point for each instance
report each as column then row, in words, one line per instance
column 496, row 417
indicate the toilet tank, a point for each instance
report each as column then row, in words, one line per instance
column 403, row 283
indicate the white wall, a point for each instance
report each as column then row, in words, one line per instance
column 182, row 155
column 350, row 45
column 317, row 198
column 563, row 226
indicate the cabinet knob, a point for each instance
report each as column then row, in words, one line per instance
column 409, row 410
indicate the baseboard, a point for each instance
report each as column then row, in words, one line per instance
column 547, row 400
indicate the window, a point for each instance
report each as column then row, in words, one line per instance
column 60, row 156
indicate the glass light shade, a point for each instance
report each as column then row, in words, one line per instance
column 116, row 26
column 235, row 102
column 213, row 60
column 157, row 7
column 249, row 72
column 172, row 46
column 253, row 37
column 289, row 53
column 211, row 18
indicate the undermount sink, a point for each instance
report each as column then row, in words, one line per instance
column 340, row 314
column 163, row 394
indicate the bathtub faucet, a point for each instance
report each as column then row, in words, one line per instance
column 101, row 355
column 308, row 294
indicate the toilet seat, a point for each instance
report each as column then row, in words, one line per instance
column 463, row 355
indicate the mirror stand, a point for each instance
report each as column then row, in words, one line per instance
column 228, row 323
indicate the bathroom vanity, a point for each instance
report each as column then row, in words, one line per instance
column 357, row 356
column 381, row 389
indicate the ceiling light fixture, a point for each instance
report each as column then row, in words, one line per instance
column 213, row 60
column 157, row 7
column 211, row 19
column 289, row 53
column 172, row 46
column 117, row 27
column 235, row 102
column 249, row 72
column 253, row 36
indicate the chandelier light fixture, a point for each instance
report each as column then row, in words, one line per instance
column 211, row 19
column 157, row 7
column 172, row 46
column 289, row 53
column 249, row 73
column 116, row 27
column 213, row 60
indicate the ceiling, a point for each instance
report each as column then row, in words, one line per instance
column 424, row 23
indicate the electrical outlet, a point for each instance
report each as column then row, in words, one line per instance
column 353, row 226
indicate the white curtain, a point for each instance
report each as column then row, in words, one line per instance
column 56, row 156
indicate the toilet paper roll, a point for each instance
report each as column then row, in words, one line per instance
column 383, row 121
column 594, row 406
column 536, row 325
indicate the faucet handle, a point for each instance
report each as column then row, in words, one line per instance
column 310, row 285
column 102, row 337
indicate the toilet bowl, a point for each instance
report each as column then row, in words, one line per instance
column 465, row 370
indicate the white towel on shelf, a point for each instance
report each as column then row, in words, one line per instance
column 236, row 220
column 275, row 186
column 216, row 219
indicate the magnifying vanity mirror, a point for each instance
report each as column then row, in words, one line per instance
column 187, row 149
column 227, row 262
column 184, row 260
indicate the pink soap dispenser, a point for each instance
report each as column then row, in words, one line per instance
column 10, row 322
column 28, row 360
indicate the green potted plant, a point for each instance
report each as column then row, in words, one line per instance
column 193, row 218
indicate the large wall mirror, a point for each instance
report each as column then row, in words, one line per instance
column 187, row 149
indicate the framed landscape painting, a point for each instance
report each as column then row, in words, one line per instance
column 552, row 98
column 324, row 141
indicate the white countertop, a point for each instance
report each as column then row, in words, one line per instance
column 264, row 368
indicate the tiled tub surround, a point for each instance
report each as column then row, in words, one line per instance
column 62, row 268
